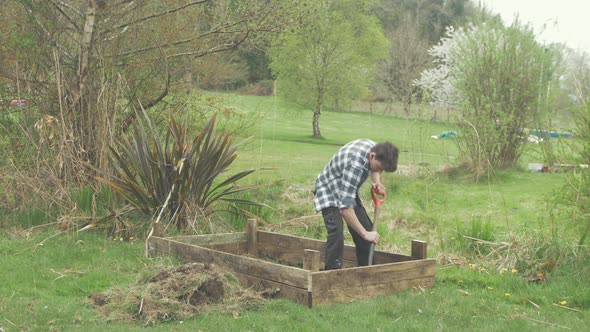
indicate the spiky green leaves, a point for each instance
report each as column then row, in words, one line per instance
column 151, row 169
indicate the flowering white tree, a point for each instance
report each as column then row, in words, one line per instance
column 436, row 81
column 495, row 76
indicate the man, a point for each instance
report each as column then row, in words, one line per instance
column 336, row 195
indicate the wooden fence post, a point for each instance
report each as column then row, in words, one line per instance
column 252, row 236
column 159, row 229
column 311, row 260
column 419, row 249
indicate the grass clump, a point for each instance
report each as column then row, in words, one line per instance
column 175, row 293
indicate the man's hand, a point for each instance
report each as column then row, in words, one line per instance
column 371, row 237
column 351, row 219
column 379, row 188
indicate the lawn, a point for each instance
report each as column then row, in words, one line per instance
column 480, row 285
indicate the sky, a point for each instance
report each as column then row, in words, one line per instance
column 565, row 21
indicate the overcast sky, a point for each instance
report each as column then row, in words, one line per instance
column 565, row 21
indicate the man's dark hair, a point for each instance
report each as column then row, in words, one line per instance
column 387, row 154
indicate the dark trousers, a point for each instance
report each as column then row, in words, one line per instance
column 335, row 242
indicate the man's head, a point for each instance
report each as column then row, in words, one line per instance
column 386, row 154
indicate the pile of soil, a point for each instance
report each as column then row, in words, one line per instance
column 176, row 293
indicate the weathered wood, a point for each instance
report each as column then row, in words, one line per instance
column 292, row 257
column 372, row 275
column 252, row 236
column 290, row 241
column 303, row 286
column 367, row 292
column 382, row 257
column 237, row 248
column 288, row 248
column 419, row 249
column 159, row 229
column 249, row 266
column 210, row 239
column 233, row 243
column 284, row 256
column 311, row 260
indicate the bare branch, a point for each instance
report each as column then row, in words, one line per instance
column 68, row 18
column 212, row 50
column 162, row 95
column 131, row 116
column 72, row 8
column 166, row 12
column 217, row 30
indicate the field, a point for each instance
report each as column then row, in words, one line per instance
column 506, row 260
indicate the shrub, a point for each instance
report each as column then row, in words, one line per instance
column 572, row 201
column 174, row 177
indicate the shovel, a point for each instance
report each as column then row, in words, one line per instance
column 377, row 201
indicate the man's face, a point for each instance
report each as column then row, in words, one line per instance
column 374, row 164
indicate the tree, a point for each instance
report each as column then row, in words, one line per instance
column 437, row 81
column 330, row 60
column 93, row 64
column 429, row 17
column 408, row 56
column 577, row 76
column 571, row 203
column 497, row 77
column 412, row 26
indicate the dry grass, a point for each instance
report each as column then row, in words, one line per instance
column 176, row 293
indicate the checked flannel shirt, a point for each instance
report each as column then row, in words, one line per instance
column 339, row 181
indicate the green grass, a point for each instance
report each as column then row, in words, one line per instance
column 45, row 287
column 46, row 279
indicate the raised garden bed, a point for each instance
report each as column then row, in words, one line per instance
column 289, row 266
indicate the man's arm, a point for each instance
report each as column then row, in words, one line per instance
column 376, row 179
column 351, row 219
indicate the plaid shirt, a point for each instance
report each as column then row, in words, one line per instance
column 338, row 183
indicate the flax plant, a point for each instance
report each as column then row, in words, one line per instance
column 175, row 177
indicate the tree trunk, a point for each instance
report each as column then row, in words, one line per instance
column 316, row 113
column 316, row 123
column 81, row 123
column 85, row 46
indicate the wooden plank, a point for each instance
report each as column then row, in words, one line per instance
column 239, row 248
column 159, row 229
column 283, row 247
column 291, row 246
column 311, row 260
column 290, row 257
column 249, row 266
column 158, row 247
column 372, row 275
column 210, row 239
column 252, row 237
column 419, row 249
column 382, row 257
column 296, row 294
column 280, row 255
column 290, row 241
column 326, row 287
column 367, row 291
column 294, row 258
